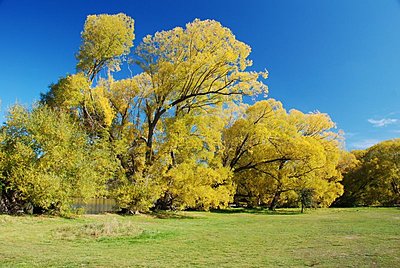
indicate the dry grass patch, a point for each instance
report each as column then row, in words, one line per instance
column 95, row 230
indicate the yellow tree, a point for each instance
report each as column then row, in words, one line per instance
column 172, row 126
column 375, row 179
column 195, row 176
column 186, row 72
column 46, row 160
column 275, row 153
column 191, row 68
column 105, row 39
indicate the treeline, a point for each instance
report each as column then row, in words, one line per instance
column 176, row 135
column 374, row 177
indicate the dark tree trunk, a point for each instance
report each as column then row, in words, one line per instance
column 165, row 202
column 274, row 202
column 9, row 203
column 150, row 136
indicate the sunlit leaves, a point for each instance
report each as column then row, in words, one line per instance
column 276, row 154
column 374, row 179
column 105, row 38
column 68, row 92
column 48, row 160
column 206, row 61
column 178, row 127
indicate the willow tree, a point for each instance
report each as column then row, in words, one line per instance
column 186, row 74
column 375, row 177
column 106, row 41
column 179, row 140
column 192, row 68
column 46, row 161
column 187, row 71
column 276, row 155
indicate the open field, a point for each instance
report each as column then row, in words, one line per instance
column 363, row 237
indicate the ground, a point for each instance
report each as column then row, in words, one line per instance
column 357, row 237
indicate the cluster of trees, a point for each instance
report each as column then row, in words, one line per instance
column 46, row 159
column 374, row 176
column 176, row 135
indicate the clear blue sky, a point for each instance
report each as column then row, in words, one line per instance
column 339, row 57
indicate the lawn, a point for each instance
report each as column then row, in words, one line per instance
column 363, row 237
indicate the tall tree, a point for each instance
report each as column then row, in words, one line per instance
column 187, row 72
column 208, row 66
column 179, row 129
column 106, row 41
column 275, row 153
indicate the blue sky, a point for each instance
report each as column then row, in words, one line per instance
column 339, row 57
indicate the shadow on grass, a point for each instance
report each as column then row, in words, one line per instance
column 170, row 215
column 259, row 211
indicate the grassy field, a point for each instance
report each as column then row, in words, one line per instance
column 366, row 237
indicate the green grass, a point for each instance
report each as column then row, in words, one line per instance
column 364, row 237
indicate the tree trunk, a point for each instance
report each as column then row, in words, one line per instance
column 150, row 136
column 274, row 202
column 9, row 203
column 165, row 202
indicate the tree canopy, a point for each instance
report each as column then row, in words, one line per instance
column 275, row 154
column 46, row 161
column 175, row 135
column 105, row 39
column 374, row 178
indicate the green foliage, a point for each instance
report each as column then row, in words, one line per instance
column 306, row 198
column 136, row 194
column 68, row 93
column 47, row 160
